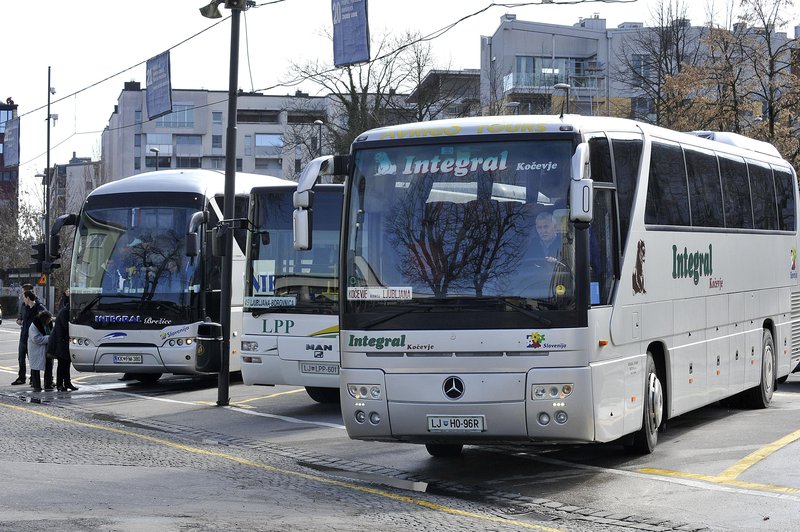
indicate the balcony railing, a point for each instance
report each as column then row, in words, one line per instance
column 538, row 81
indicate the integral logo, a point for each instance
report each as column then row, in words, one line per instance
column 453, row 388
column 114, row 336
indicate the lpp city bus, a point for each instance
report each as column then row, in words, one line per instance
column 138, row 292
column 670, row 287
column 291, row 303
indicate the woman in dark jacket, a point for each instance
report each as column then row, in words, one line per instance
column 59, row 346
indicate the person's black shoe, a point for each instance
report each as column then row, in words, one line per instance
column 37, row 388
column 18, row 381
column 48, row 385
column 70, row 387
column 48, row 388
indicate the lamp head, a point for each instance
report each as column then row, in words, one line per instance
column 211, row 10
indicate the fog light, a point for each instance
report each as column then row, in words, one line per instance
column 249, row 346
column 375, row 392
column 543, row 418
column 560, row 417
column 171, row 343
column 251, row 360
column 539, row 392
column 180, row 341
column 360, row 416
column 374, row 418
column 554, row 391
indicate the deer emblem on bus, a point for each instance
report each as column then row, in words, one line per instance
column 638, row 270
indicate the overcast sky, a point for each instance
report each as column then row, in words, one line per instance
column 87, row 41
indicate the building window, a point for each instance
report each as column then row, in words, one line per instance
column 161, row 141
column 189, row 140
column 188, row 162
column 137, row 163
column 269, row 139
column 217, row 163
column 238, row 165
column 216, row 117
column 137, row 140
column 248, row 145
column 216, row 141
column 257, row 116
column 137, row 117
column 273, row 166
column 182, row 116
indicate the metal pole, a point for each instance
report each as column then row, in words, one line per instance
column 47, row 177
column 223, row 383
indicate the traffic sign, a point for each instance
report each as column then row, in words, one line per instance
column 42, row 280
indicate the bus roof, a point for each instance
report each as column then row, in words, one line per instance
column 206, row 182
column 509, row 124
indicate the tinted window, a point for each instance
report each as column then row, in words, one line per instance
column 627, row 156
column 705, row 191
column 600, row 160
column 784, row 191
column 736, row 193
column 762, row 187
column 667, row 194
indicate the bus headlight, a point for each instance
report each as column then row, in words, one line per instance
column 80, row 341
column 551, row 391
column 365, row 391
column 249, row 346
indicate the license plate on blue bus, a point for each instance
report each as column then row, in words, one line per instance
column 456, row 423
column 127, row 359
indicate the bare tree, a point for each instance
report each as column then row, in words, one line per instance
column 652, row 56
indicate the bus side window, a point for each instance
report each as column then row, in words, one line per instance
column 601, row 248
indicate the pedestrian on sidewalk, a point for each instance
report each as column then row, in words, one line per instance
column 38, row 335
column 23, row 335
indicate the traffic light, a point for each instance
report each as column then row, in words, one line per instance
column 38, row 257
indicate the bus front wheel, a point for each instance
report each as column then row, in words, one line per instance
column 644, row 441
column 444, row 450
column 760, row 396
column 323, row 395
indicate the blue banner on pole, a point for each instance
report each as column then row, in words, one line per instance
column 159, row 86
column 11, row 143
column 350, row 32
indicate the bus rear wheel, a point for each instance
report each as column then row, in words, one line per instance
column 761, row 396
column 323, row 395
column 644, row 441
column 444, row 450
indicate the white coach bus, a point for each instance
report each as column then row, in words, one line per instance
column 670, row 284
column 138, row 292
column 291, row 303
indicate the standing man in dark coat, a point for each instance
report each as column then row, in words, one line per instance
column 23, row 337
column 32, row 308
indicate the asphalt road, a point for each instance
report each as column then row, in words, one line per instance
column 124, row 456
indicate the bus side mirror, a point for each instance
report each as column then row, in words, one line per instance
column 301, row 229
column 302, row 219
column 192, row 236
column 581, row 189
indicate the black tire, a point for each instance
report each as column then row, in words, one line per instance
column 781, row 380
column 761, row 396
column 323, row 395
column 645, row 440
column 444, row 450
column 147, row 378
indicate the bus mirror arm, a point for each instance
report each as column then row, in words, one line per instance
column 192, row 236
column 581, row 189
column 55, row 241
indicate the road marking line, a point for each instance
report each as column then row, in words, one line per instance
column 276, row 394
column 306, row 476
column 753, row 458
column 721, row 480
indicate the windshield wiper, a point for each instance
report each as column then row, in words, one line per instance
column 88, row 306
column 528, row 312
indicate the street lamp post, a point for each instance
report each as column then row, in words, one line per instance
column 46, row 183
column 564, row 87
column 226, row 285
column 156, row 151
column 319, row 137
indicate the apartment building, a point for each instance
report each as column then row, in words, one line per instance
column 276, row 135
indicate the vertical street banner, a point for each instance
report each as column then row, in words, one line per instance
column 11, row 143
column 350, row 32
column 159, row 86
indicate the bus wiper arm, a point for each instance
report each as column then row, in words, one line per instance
column 528, row 312
column 90, row 305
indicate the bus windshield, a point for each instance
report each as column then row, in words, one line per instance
column 460, row 227
column 132, row 249
column 282, row 278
